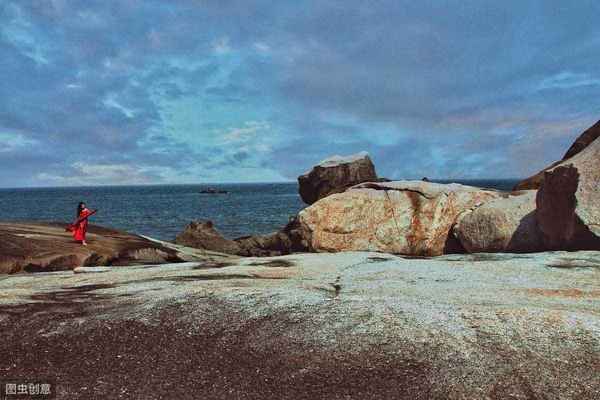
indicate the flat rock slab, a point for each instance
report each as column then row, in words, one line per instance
column 36, row 247
column 313, row 326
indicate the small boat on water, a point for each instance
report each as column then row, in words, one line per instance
column 213, row 191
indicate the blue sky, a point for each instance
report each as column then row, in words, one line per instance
column 138, row 92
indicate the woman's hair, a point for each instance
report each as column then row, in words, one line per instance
column 80, row 208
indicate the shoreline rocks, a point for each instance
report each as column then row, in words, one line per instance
column 290, row 239
column 334, row 175
column 417, row 218
column 37, row 247
column 203, row 235
column 424, row 219
column 506, row 224
column 401, row 217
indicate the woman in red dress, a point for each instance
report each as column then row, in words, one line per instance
column 81, row 223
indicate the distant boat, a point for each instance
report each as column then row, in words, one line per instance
column 213, row 191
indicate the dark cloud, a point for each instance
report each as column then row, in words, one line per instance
column 149, row 89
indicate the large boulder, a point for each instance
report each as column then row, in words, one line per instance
column 506, row 224
column 583, row 141
column 334, row 175
column 568, row 202
column 403, row 217
column 36, row 247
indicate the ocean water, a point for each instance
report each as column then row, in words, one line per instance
column 164, row 211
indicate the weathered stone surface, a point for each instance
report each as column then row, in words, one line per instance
column 313, row 326
column 290, row 239
column 584, row 140
column 568, row 202
column 403, row 217
column 334, row 175
column 271, row 245
column 35, row 247
column 203, row 235
column 501, row 225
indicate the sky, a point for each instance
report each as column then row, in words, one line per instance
column 193, row 91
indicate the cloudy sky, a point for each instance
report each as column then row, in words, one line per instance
column 118, row 92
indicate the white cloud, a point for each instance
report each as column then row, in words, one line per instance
column 262, row 47
column 111, row 102
column 21, row 34
column 100, row 174
column 245, row 133
column 568, row 80
column 13, row 141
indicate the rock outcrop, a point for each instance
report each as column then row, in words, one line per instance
column 290, row 239
column 313, row 326
column 583, row 141
column 334, row 175
column 203, row 235
column 35, row 247
column 568, row 202
column 501, row 225
column 403, row 217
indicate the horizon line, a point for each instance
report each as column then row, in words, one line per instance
column 434, row 180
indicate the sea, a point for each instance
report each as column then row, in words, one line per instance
column 163, row 211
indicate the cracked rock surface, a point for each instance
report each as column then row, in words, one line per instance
column 312, row 326
column 401, row 217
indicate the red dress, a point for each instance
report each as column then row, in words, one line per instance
column 80, row 228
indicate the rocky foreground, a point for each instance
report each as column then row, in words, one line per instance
column 312, row 326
